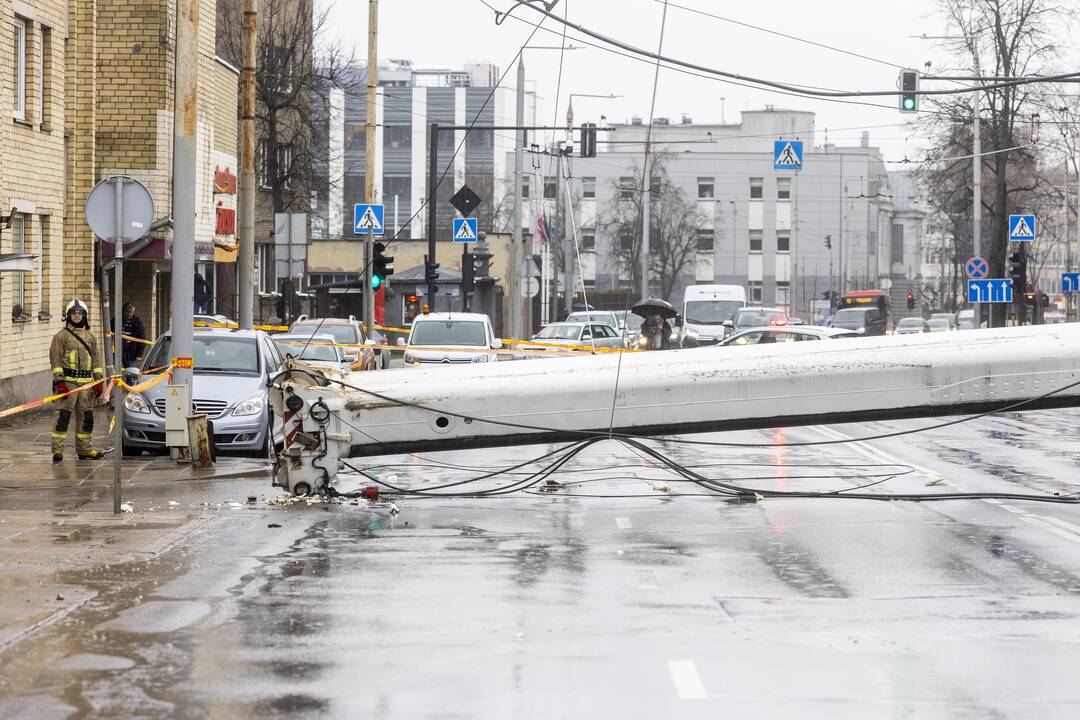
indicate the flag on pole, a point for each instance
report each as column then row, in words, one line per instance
column 541, row 229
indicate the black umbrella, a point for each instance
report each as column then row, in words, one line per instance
column 653, row 306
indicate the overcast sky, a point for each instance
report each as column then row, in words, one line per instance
column 448, row 33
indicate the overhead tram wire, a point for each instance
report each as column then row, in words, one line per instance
column 432, row 192
column 728, row 81
column 788, row 87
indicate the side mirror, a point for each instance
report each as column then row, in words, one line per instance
column 678, row 321
column 351, row 357
column 728, row 324
column 400, row 342
column 369, row 342
column 496, row 343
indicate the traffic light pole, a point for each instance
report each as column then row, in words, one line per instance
column 369, row 157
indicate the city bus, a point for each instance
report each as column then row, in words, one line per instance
column 867, row 298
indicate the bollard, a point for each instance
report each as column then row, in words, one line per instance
column 199, row 441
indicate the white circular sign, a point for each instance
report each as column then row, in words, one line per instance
column 137, row 209
column 530, row 287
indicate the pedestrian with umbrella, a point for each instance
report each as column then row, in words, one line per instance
column 655, row 331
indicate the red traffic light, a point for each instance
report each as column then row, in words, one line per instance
column 911, row 296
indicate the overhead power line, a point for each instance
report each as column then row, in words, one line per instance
column 808, row 92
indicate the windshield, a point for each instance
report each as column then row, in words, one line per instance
column 939, row 323
column 604, row 317
column 559, row 332
column 448, row 332
column 849, row 316
column 752, row 318
column 298, row 347
column 910, row 322
column 710, row 312
column 213, row 353
column 342, row 332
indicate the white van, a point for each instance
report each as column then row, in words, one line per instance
column 451, row 339
column 706, row 308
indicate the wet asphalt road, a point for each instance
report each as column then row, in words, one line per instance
column 563, row 606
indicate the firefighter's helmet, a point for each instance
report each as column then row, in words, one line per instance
column 76, row 304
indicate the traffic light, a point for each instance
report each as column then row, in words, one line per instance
column 1018, row 270
column 588, row 140
column 468, row 275
column 909, row 91
column 431, row 271
column 911, row 301
column 380, row 266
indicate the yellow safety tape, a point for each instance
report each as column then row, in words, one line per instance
column 132, row 339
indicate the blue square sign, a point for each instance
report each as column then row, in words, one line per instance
column 787, row 155
column 1022, row 228
column 464, row 230
column 367, row 218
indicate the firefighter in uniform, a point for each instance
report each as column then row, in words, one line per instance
column 76, row 361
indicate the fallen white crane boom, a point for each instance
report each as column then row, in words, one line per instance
column 664, row 393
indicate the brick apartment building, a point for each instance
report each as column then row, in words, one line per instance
column 88, row 85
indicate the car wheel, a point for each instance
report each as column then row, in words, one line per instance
column 129, row 451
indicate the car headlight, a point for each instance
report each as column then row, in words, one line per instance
column 251, row 406
column 480, row 357
column 861, row 330
column 134, row 402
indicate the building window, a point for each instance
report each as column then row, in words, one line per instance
column 783, row 241
column 284, row 166
column 783, row 188
column 626, row 188
column 265, row 272
column 550, row 189
column 626, row 241
column 705, row 239
column 397, row 136
column 706, row 188
column 783, row 293
column 18, row 67
column 755, row 291
column 755, row 241
column 588, row 239
column 588, row 187
column 897, row 250
column 19, row 284
column 756, row 185
column 45, row 77
column 525, row 187
column 44, row 267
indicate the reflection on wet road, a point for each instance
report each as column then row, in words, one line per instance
column 637, row 604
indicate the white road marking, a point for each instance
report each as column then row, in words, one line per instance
column 1050, row 527
column 1063, row 524
column 873, row 453
column 623, row 523
column 687, row 681
column 724, row 614
column 646, row 580
column 1014, row 510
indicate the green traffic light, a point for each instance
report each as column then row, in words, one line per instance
column 376, row 281
column 909, row 103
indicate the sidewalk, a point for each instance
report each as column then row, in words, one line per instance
column 55, row 519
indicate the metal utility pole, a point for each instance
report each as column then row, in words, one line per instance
column 646, row 221
column 369, row 155
column 185, row 127
column 560, row 224
column 246, row 198
column 976, row 184
column 516, row 241
column 433, row 180
column 568, row 243
column 118, row 343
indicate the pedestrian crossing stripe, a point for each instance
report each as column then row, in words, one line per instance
column 1021, row 228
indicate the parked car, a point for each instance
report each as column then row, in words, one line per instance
column 214, row 321
column 320, row 350
column 346, row 331
column 785, row 334
column 451, row 338
column 939, row 325
column 748, row 317
column 948, row 317
column 911, row 326
column 629, row 325
column 603, row 316
column 965, row 320
column 594, row 334
column 863, row 320
column 229, row 385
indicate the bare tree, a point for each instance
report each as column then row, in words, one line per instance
column 1009, row 38
column 673, row 229
column 297, row 67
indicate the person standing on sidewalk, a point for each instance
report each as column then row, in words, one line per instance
column 76, row 361
column 133, row 328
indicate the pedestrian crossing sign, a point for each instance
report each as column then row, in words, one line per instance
column 464, row 229
column 367, row 218
column 1022, row 228
column 787, row 155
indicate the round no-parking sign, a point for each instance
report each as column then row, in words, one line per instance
column 977, row 268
